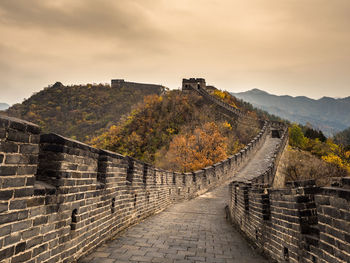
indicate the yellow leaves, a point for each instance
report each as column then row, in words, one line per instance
column 219, row 94
column 225, row 96
column 227, row 125
column 170, row 130
column 327, row 151
column 347, row 155
column 334, row 159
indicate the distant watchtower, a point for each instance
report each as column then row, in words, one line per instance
column 117, row 83
column 193, row 83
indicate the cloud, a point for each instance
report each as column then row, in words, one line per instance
column 291, row 47
column 113, row 19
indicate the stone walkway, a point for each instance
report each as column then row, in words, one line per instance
column 260, row 161
column 191, row 231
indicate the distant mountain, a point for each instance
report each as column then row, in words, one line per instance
column 327, row 114
column 4, row 106
column 82, row 111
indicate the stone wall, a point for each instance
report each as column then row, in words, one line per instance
column 151, row 88
column 300, row 223
column 61, row 198
column 198, row 85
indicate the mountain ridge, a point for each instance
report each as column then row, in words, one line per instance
column 326, row 114
column 4, row 106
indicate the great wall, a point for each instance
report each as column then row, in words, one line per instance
column 61, row 200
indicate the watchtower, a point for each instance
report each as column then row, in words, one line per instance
column 193, row 83
column 117, row 83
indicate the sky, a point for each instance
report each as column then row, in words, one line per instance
column 294, row 47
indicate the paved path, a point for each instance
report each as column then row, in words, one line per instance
column 260, row 161
column 191, row 231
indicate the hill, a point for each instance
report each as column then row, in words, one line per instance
column 178, row 131
column 4, row 106
column 82, row 111
column 327, row 114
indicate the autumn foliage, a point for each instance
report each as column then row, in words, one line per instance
column 194, row 150
column 226, row 97
column 326, row 150
column 79, row 111
column 176, row 131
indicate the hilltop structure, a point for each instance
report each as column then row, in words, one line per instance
column 121, row 83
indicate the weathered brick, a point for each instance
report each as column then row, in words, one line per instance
column 6, row 230
column 26, row 170
column 8, row 170
column 7, row 252
column 6, row 194
column 22, row 225
column 22, row 257
column 17, row 204
column 4, row 207
column 13, row 182
column 33, row 242
column 12, row 239
column 8, row 147
column 17, row 136
column 23, row 192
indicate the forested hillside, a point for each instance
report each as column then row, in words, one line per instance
column 343, row 138
column 177, row 131
column 312, row 156
column 79, row 111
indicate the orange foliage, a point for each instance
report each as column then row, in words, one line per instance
column 192, row 151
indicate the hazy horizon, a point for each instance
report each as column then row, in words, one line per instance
column 285, row 48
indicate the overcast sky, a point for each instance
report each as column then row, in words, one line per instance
column 295, row 47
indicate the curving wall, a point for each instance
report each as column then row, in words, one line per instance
column 60, row 198
column 300, row 223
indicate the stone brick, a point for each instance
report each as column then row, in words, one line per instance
column 13, row 182
column 22, row 257
column 6, row 194
column 8, row 170
column 7, row 252
column 8, row 147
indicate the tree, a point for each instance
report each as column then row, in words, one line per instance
column 296, row 137
column 192, row 151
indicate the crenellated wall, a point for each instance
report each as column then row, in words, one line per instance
column 198, row 85
column 300, row 223
column 61, row 198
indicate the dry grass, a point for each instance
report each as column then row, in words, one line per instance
column 296, row 164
